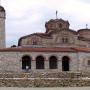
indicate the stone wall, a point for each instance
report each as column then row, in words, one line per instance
column 55, row 40
column 53, row 74
column 59, row 79
column 12, row 61
column 43, row 83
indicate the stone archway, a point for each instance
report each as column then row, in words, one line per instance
column 39, row 62
column 65, row 63
column 26, row 62
column 53, row 62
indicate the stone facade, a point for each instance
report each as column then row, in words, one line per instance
column 58, row 49
column 12, row 61
column 58, row 57
column 58, row 34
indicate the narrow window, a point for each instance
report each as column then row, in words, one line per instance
column 88, row 62
column 40, row 62
column 34, row 42
column 53, row 62
column 65, row 40
column 26, row 62
column 65, row 63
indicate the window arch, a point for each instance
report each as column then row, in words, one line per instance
column 39, row 62
column 65, row 40
column 88, row 62
column 53, row 62
column 60, row 25
column 26, row 62
column 65, row 63
column 35, row 40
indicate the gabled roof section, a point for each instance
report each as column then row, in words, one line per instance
column 43, row 35
column 46, row 35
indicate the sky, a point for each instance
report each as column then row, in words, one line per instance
column 24, row 17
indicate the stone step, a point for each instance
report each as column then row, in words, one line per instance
column 45, row 75
column 44, row 79
column 27, row 82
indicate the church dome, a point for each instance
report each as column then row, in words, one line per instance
column 56, row 24
column 84, row 33
column 2, row 9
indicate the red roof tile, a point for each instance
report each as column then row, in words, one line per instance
column 82, row 49
column 58, row 49
column 37, row 50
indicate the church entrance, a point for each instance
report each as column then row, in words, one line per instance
column 65, row 63
column 40, row 62
column 26, row 62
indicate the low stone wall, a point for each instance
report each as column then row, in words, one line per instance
column 35, row 79
column 45, row 75
column 43, row 82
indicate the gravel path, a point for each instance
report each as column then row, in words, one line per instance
column 57, row 88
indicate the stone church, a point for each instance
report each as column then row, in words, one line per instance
column 58, row 49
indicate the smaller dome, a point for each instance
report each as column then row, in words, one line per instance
column 2, row 9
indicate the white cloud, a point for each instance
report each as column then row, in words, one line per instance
column 24, row 16
column 78, row 8
column 19, row 7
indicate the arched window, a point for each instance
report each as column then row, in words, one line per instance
column 40, row 62
column 34, row 43
column 65, row 40
column 26, row 62
column 53, row 62
column 88, row 63
column 65, row 63
column 60, row 25
column 34, row 40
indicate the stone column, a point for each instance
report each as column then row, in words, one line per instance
column 46, row 64
column 33, row 65
column 60, row 65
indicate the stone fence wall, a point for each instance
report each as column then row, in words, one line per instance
column 35, row 79
column 43, row 82
column 45, row 75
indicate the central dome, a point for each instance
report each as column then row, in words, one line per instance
column 56, row 24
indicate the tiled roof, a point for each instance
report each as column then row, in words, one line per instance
column 45, row 35
column 82, row 49
column 81, row 30
column 58, row 49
